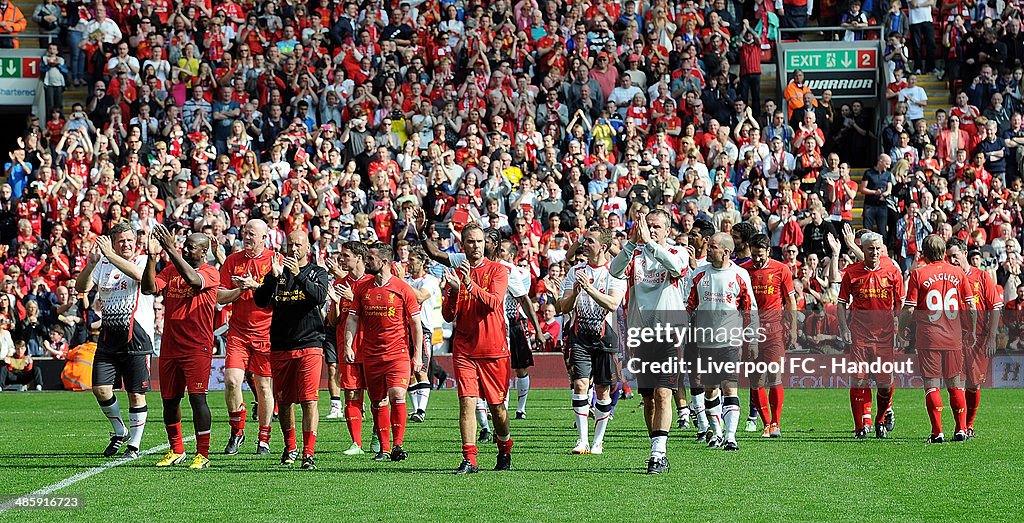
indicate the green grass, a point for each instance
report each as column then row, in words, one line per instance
column 816, row 472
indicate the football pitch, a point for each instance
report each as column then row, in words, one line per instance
column 816, row 472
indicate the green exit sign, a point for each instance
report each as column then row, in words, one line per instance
column 831, row 60
column 10, row 67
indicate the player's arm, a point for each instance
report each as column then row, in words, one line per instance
column 412, row 308
column 186, row 271
column 129, row 268
column 226, row 296
column 531, row 314
column 434, row 253
column 87, row 278
column 493, row 298
column 351, row 327
column 315, row 285
column 149, row 277
column 621, row 260
column 845, row 294
column 909, row 303
column 263, row 295
column 673, row 263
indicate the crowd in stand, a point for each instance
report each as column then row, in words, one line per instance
column 404, row 121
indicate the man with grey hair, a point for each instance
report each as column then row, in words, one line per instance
column 876, row 187
column 873, row 290
column 248, row 346
column 721, row 303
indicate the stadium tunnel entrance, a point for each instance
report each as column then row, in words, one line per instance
column 13, row 124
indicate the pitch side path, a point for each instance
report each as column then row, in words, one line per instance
column 816, row 472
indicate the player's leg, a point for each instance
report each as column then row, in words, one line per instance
column 713, row 408
column 285, row 371
column 104, row 372
column 197, row 377
column 759, row 400
column 482, row 421
column 522, row 392
column 311, row 363
column 333, row 381
column 135, row 369
column 976, row 363
column 647, row 399
column 860, row 390
column 776, row 397
column 202, row 421
column 419, row 388
column 682, row 407
column 376, row 388
column 952, row 367
column 581, row 363
column 396, row 380
column 690, row 355
column 604, row 378
column 353, row 382
column 467, row 428
column 236, row 361
column 265, row 406
column 661, row 422
column 930, row 364
column 731, row 414
column 172, row 389
column 494, row 377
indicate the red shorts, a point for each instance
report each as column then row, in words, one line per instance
column 384, row 375
column 485, row 378
column 297, row 374
column 773, row 348
column 861, row 352
column 977, row 362
column 186, row 372
column 351, row 375
column 940, row 363
column 253, row 356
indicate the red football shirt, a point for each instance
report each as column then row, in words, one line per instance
column 188, row 315
column 987, row 298
column 939, row 292
column 358, row 286
column 879, row 289
column 249, row 322
column 479, row 313
column 772, row 286
column 386, row 313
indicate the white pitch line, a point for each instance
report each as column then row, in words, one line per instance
column 67, row 482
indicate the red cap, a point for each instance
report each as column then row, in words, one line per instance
column 634, row 57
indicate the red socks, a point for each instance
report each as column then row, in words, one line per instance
column 354, row 420
column 776, row 396
column 308, row 442
column 399, row 413
column 174, row 437
column 860, row 404
column 504, row 447
column 237, row 420
column 264, row 436
column 289, row 439
column 958, row 403
column 760, row 399
column 973, row 398
column 203, row 444
column 382, row 422
column 469, row 452
column 933, row 401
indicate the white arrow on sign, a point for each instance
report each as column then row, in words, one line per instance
column 11, row 68
column 846, row 61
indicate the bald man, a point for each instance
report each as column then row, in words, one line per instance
column 296, row 290
column 248, row 345
column 189, row 287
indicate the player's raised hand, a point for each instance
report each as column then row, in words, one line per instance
column 464, row 273
column 277, row 266
column 244, row 282
column 95, row 255
column 292, row 264
column 583, row 281
column 834, row 243
column 163, row 235
column 451, row 279
column 848, row 235
column 104, row 245
column 333, row 294
column 399, row 270
column 644, row 232
column 345, row 291
column 153, row 245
